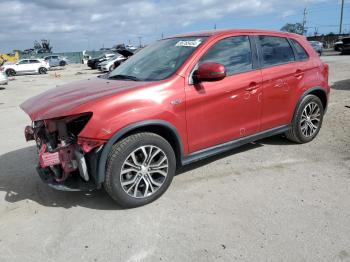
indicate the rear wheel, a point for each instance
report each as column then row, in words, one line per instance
column 63, row 63
column 307, row 120
column 10, row 72
column 139, row 169
column 42, row 70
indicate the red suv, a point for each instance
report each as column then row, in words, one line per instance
column 176, row 101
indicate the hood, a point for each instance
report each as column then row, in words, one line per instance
column 65, row 100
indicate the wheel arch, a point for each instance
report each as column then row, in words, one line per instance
column 317, row 91
column 160, row 127
column 321, row 94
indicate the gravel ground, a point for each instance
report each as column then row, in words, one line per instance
column 267, row 201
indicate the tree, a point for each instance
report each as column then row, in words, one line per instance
column 296, row 28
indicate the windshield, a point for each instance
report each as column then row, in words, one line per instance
column 159, row 60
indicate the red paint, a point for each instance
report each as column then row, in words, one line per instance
column 212, row 112
column 210, row 71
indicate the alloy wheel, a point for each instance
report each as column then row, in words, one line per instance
column 310, row 119
column 144, row 171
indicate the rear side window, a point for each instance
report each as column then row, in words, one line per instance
column 275, row 50
column 33, row 61
column 301, row 53
column 233, row 52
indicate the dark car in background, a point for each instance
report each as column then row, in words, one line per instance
column 343, row 45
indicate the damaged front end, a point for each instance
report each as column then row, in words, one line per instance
column 66, row 161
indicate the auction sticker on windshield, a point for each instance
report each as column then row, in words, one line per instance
column 194, row 43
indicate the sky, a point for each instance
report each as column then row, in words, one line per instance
column 76, row 25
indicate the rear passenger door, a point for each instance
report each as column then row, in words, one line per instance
column 34, row 65
column 280, row 77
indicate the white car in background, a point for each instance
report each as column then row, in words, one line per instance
column 111, row 63
column 3, row 77
column 27, row 66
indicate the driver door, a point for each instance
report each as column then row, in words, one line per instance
column 23, row 66
column 228, row 109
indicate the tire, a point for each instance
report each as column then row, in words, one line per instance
column 111, row 68
column 10, row 72
column 42, row 70
column 309, row 110
column 119, row 160
column 63, row 63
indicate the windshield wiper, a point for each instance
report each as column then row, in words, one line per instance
column 134, row 78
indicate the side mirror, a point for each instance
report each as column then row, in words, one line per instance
column 210, row 71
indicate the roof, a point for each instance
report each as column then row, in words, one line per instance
column 233, row 31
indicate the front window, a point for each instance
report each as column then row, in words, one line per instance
column 233, row 52
column 159, row 60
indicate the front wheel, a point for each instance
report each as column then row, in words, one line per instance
column 10, row 72
column 307, row 120
column 42, row 70
column 139, row 169
column 111, row 68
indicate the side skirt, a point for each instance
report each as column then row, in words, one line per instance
column 211, row 151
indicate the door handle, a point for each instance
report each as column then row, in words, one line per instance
column 252, row 86
column 298, row 74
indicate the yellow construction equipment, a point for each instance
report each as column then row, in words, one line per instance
column 13, row 58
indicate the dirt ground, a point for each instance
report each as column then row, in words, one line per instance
column 267, row 201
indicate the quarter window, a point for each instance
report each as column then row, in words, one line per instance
column 233, row 52
column 22, row 62
column 301, row 53
column 275, row 50
column 33, row 61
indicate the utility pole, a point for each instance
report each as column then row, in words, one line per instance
column 304, row 21
column 140, row 38
column 215, row 26
column 162, row 35
column 341, row 17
